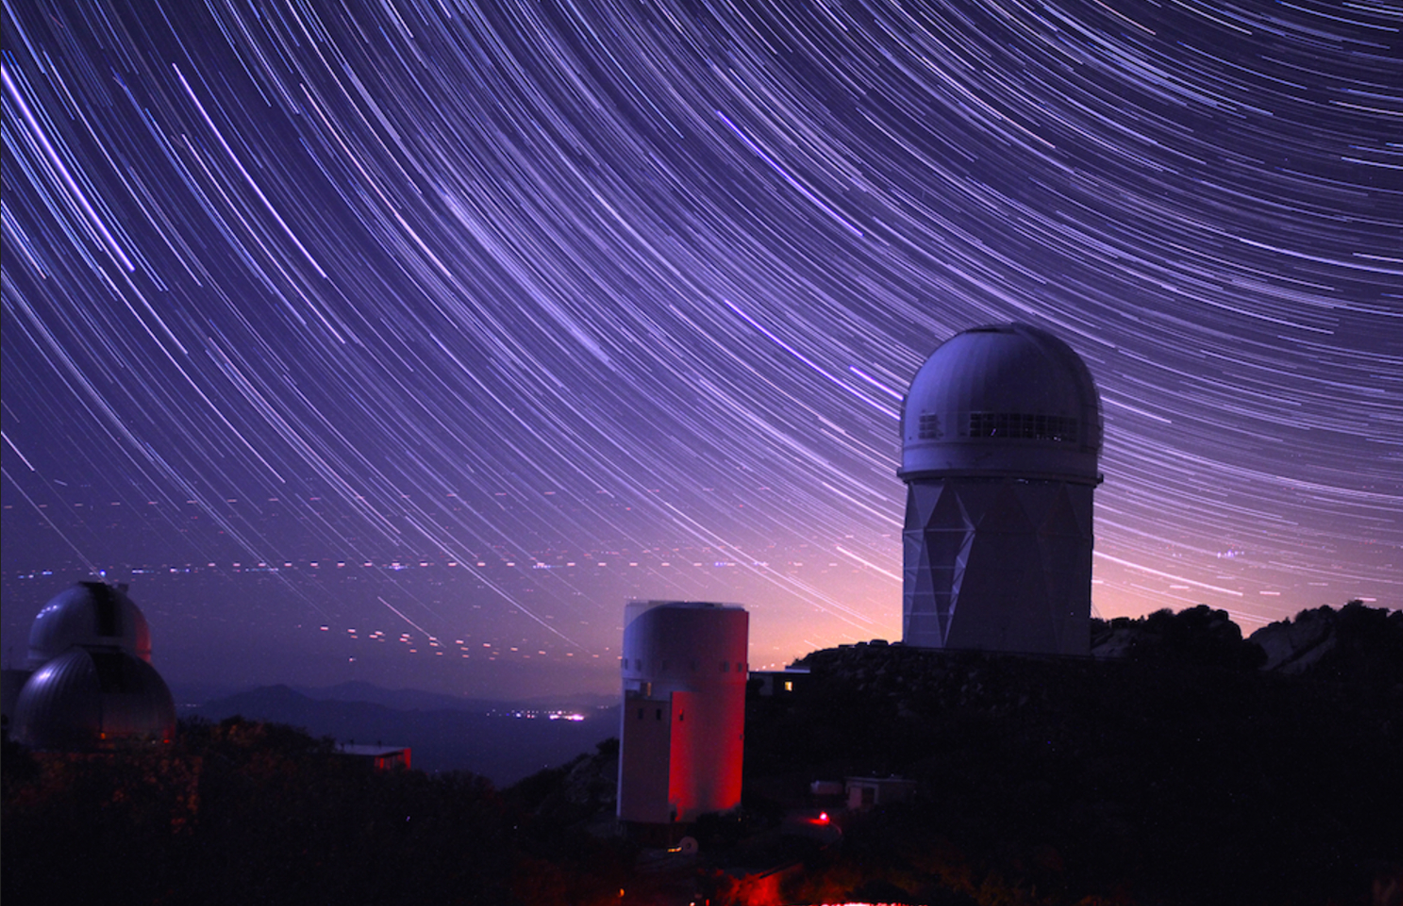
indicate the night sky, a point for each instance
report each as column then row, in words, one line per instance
column 404, row 342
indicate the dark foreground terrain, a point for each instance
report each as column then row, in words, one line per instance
column 1188, row 769
column 1180, row 772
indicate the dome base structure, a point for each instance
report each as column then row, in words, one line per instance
column 998, row 565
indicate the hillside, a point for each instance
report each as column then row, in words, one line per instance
column 1189, row 769
column 1181, row 772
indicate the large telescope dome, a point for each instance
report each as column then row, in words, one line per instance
column 1002, row 400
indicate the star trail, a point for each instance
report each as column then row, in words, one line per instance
column 459, row 323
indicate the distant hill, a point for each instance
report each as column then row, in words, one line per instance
column 401, row 699
column 444, row 734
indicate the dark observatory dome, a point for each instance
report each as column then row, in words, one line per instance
column 1006, row 400
column 90, row 697
column 89, row 614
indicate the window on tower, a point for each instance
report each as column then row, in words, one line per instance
column 1022, row 426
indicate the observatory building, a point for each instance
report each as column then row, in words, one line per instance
column 90, row 679
column 682, row 725
column 1001, row 431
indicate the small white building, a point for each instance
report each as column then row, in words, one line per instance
column 779, row 682
column 682, row 727
column 381, row 758
column 866, row 792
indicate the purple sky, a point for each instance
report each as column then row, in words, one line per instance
column 288, row 286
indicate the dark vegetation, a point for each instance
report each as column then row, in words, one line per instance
column 1185, row 770
column 1180, row 773
column 241, row 812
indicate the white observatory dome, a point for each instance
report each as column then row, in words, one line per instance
column 90, row 615
column 1006, row 400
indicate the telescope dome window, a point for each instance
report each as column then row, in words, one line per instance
column 1023, row 426
column 929, row 427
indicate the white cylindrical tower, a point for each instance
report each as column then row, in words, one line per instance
column 682, row 727
column 1001, row 433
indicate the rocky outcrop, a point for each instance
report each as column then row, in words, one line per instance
column 1356, row 643
column 1294, row 646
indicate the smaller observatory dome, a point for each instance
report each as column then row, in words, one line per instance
column 91, row 615
column 1005, row 400
column 87, row 698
